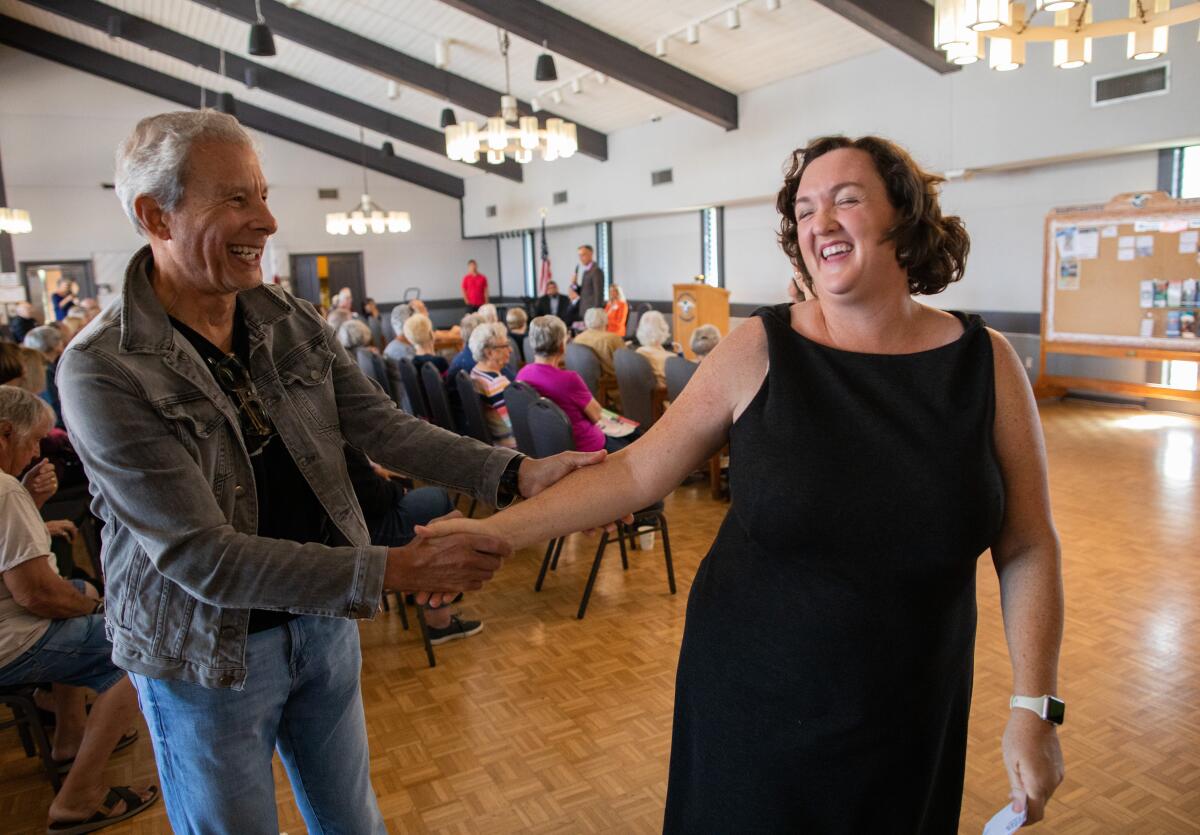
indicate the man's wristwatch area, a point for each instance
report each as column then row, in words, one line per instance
column 1050, row 708
column 510, row 485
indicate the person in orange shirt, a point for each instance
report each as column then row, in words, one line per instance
column 617, row 310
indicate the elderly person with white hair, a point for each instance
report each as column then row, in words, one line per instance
column 399, row 348
column 356, row 337
column 518, row 321
column 652, row 334
column 603, row 342
column 704, row 339
column 52, row 631
column 212, row 411
column 548, row 337
column 490, row 346
column 48, row 341
column 418, row 330
column 488, row 313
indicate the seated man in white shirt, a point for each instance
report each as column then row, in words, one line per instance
column 52, row 630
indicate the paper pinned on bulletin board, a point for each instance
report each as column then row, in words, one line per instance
column 1145, row 246
column 1087, row 244
column 1068, row 274
column 1188, row 242
column 1109, row 232
column 1064, row 239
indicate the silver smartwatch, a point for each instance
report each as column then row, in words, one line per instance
column 1049, row 708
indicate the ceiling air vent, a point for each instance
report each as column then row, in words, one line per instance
column 489, row 211
column 327, row 194
column 661, row 178
column 560, row 197
column 1125, row 86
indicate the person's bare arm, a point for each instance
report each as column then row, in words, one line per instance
column 1028, row 563
column 37, row 588
column 592, row 411
column 695, row 426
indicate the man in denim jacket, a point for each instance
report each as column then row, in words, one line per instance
column 211, row 411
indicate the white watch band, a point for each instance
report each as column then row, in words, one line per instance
column 1035, row 703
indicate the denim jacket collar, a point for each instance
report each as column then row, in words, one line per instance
column 146, row 328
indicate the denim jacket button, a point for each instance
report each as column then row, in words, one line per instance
column 239, row 490
column 314, row 374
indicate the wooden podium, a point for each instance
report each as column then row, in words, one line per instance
column 695, row 305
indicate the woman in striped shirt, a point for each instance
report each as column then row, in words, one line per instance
column 490, row 347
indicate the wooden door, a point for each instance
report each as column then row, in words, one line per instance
column 318, row 277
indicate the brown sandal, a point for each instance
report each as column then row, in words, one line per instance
column 104, row 816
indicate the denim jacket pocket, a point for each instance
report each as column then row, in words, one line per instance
column 305, row 378
column 198, row 424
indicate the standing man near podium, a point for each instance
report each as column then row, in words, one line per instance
column 591, row 280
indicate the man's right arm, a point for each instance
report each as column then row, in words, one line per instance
column 37, row 589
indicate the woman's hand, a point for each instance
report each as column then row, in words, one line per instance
column 62, row 527
column 536, row 474
column 1034, row 762
column 41, row 481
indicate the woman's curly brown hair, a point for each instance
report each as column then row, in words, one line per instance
column 930, row 248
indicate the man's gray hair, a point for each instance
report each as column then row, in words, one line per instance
column 468, row 325
column 548, row 336
column 487, row 333
column 652, row 329
column 153, row 159
column 488, row 312
column 25, row 411
column 44, row 339
column 354, row 333
column 704, row 339
column 400, row 314
column 595, row 318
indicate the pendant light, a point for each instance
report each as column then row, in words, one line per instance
column 448, row 118
column 367, row 216
column 262, row 42
column 545, row 71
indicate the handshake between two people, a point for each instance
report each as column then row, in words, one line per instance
column 453, row 554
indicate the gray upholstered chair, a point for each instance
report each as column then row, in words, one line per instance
column 583, row 361
column 636, row 382
column 678, row 372
column 520, row 397
column 435, row 396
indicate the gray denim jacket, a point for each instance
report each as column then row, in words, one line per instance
column 173, row 483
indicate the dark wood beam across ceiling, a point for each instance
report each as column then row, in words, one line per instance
column 905, row 24
column 315, row 33
column 36, row 41
column 146, row 33
column 604, row 53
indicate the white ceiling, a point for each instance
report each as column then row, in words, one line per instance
column 769, row 46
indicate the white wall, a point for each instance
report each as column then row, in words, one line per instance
column 651, row 254
column 563, row 243
column 58, row 131
column 756, row 270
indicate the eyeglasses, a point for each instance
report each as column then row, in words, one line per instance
column 257, row 429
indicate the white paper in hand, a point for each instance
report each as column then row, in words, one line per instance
column 1004, row 822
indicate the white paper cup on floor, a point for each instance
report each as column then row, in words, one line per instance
column 646, row 540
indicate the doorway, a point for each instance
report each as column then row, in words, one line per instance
column 44, row 278
column 318, row 277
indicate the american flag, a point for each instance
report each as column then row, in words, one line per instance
column 544, row 274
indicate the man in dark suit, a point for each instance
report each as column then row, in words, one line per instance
column 591, row 280
column 551, row 304
column 574, row 312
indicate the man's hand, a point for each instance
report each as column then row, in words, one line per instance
column 62, row 527
column 1034, row 761
column 41, row 481
column 451, row 563
column 536, row 474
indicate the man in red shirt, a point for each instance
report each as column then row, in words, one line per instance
column 474, row 288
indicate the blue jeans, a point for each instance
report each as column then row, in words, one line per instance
column 416, row 507
column 213, row 747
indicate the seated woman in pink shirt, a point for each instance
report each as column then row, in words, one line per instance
column 566, row 389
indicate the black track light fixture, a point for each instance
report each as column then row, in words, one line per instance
column 227, row 104
column 448, row 118
column 388, row 149
column 113, row 25
column 262, row 42
column 546, row 70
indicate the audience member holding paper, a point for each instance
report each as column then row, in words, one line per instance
column 879, row 446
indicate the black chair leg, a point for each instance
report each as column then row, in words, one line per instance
column 25, row 715
column 587, row 590
column 471, row 509
column 550, row 546
column 662, row 523
column 557, row 551
column 402, row 607
column 425, row 635
column 622, row 530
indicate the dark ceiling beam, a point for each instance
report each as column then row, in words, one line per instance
column 905, row 24
column 35, row 41
column 371, row 55
column 600, row 51
column 145, row 33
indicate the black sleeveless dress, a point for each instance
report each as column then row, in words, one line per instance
column 824, row 679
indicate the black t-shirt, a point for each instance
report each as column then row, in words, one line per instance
column 287, row 507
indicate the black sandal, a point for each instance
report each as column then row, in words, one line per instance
column 133, row 805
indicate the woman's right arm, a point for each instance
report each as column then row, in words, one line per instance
column 692, row 429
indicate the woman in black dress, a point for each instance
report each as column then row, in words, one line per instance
column 877, row 447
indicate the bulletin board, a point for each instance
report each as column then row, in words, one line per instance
column 1122, row 280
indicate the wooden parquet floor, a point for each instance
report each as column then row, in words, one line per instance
column 546, row 724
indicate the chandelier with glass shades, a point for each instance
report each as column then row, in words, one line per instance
column 961, row 27
column 509, row 134
column 367, row 216
column 15, row 221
